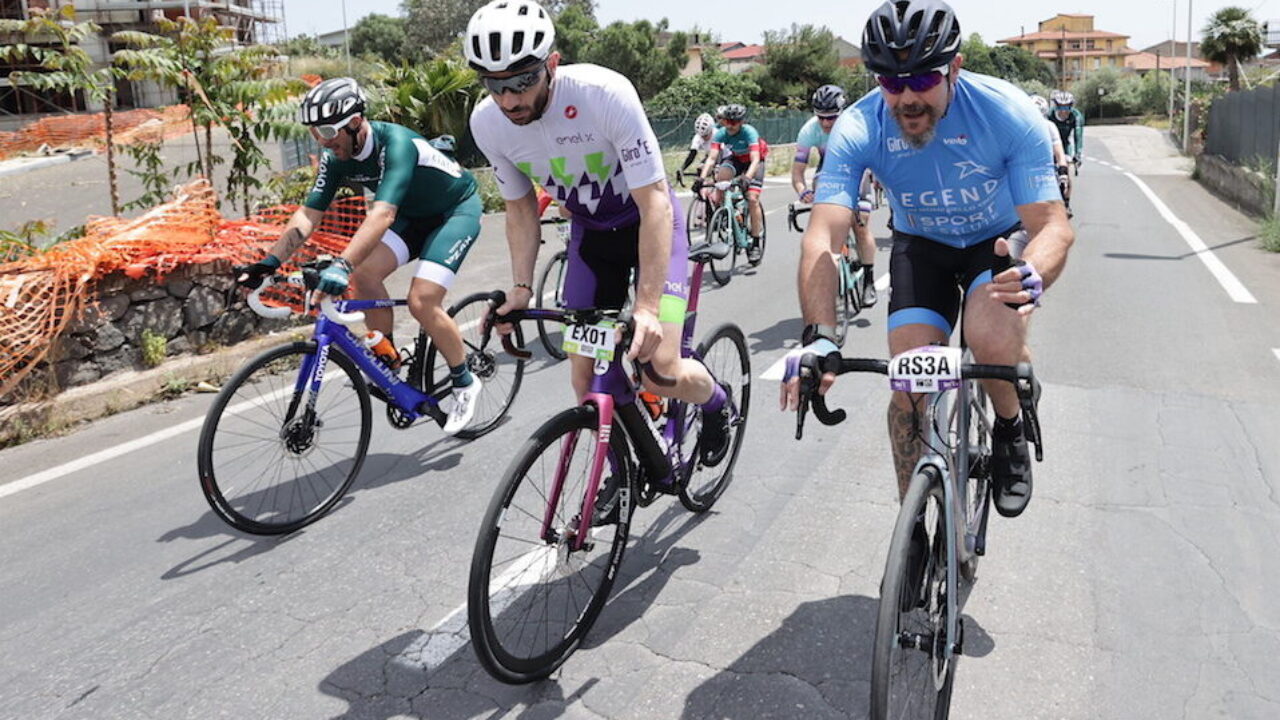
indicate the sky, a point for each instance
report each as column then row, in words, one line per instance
column 1147, row 22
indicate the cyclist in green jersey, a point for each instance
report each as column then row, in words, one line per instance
column 425, row 207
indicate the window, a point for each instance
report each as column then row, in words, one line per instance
column 1097, row 63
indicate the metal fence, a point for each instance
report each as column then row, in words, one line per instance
column 1244, row 127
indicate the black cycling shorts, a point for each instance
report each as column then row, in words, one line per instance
column 926, row 279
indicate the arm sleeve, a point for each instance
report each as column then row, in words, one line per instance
column 693, row 153
column 628, row 129
column 399, row 159
column 847, row 158
column 512, row 183
column 1079, row 131
column 326, row 185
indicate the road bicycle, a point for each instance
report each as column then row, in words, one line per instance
column 730, row 224
column 287, row 434
column 699, row 209
column 942, row 522
column 853, row 276
column 550, row 288
column 553, row 537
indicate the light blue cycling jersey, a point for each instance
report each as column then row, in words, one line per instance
column 990, row 154
column 811, row 137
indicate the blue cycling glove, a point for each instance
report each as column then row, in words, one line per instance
column 335, row 278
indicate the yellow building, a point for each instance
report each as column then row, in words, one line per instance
column 1071, row 45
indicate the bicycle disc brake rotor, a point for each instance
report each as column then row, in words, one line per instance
column 481, row 363
column 299, row 435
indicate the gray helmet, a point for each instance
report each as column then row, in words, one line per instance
column 444, row 143
column 828, row 100
column 1062, row 97
column 926, row 29
column 734, row 112
column 331, row 102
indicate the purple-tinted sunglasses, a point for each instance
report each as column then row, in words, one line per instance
column 923, row 82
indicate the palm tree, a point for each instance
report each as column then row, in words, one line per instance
column 1231, row 36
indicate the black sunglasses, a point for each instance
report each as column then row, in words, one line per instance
column 514, row 83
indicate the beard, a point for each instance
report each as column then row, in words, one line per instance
column 525, row 114
column 916, row 111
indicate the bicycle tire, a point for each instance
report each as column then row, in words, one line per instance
column 724, row 353
column 978, row 484
column 250, row 506
column 555, row 268
column 887, row 701
column 845, row 309
column 719, row 229
column 500, row 372
column 506, row 659
column 689, row 212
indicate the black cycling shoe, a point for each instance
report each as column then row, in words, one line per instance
column 713, row 440
column 1011, row 475
column 754, row 253
column 607, row 506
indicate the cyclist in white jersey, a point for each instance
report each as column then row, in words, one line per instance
column 703, row 128
column 966, row 163
column 827, row 102
column 1059, row 153
column 581, row 132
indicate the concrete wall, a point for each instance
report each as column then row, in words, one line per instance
column 1242, row 187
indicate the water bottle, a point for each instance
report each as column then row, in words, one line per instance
column 652, row 403
column 380, row 346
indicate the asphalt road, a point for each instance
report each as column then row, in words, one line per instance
column 1140, row 583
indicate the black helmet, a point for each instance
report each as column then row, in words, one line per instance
column 331, row 102
column 734, row 112
column 828, row 100
column 927, row 30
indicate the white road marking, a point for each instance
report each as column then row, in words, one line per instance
column 1277, row 352
column 1235, row 289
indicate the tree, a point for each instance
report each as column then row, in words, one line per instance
column 632, row 49
column 796, row 61
column 432, row 98
column 575, row 28
column 432, row 25
column 68, row 68
column 1230, row 37
column 1006, row 62
column 305, row 45
column 379, row 35
column 702, row 92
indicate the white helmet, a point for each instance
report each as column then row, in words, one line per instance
column 704, row 124
column 1041, row 104
column 508, row 35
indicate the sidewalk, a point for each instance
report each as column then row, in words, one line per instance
column 22, row 165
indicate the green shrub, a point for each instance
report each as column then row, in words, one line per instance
column 1269, row 234
column 154, row 348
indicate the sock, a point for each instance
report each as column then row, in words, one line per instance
column 460, row 376
column 1006, row 429
column 716, row 402
column 870, row 270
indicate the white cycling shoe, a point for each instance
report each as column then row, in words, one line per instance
column 463, row 407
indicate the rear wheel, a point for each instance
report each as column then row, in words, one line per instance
column 724, row 352
column 500, row 372
column 912, row 671
column 551, row 334
column 273, row 457
column 531, row 599
column 846, row 302
column 720, row 230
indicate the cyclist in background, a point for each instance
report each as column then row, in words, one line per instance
column 966, row 162
column 425, row 207
column 703, row 128
column 827, row 103
column 744, row 153
column 1059, row 155
column 1070, row 123
column 581, row 132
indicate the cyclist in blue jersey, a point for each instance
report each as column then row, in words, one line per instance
column 966, row 163
column 737, row 149
column 581, row 132
column 827, row 103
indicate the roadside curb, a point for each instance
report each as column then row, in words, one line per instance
column 22, row 165
column 131, row 389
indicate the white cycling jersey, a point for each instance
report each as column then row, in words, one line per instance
column 590, row 147
column 700, row 143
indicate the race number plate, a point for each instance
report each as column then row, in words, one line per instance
column 594, row 341
column 928, row 369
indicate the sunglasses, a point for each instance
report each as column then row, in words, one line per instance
column 827, row 118
column 329, row 132
column 515, row 83
column 923, row 82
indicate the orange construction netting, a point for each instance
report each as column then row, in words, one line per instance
column 42, row 293
column 90, row 131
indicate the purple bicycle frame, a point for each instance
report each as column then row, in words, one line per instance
column 610, row 390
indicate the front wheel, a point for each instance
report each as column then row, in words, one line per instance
column 912, row 670
column 531, row 598
column 500, row 372
column 550, row 334
column 274, row 456
column 724, row 353
column 720, row 230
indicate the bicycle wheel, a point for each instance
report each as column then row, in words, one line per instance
column 530, row 598
column 719, row 230
column 500, row 372
column 691, row 213
column 272, row 458
column 978, row 484
column 846, row 305
column 911, row 672
column 764, row 237
column 550, row 334
column 724, row 352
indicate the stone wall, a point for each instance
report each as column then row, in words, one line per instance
column 196, row 309
column 1245, row 189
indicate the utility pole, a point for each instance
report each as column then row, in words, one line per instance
column 346, row 36
column 1186, row 102
column 1173, row 77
